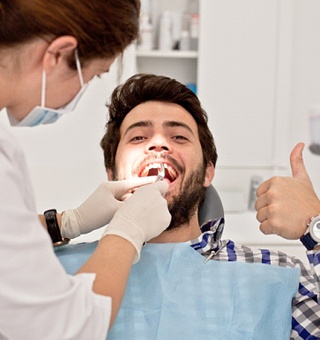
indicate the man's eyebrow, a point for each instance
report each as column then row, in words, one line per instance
column 148, row 123
column 174, row 123
column 142, row 123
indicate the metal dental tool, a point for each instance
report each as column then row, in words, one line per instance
column 161, row 173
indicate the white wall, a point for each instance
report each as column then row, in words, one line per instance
column 305, row 79
column 244, row 79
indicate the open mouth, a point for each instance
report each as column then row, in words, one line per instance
column 153, row 169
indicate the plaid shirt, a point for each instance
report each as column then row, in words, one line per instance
column 306, row 303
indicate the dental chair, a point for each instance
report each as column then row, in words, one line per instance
column 211, row 207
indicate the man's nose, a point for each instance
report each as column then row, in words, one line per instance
column 158, row 144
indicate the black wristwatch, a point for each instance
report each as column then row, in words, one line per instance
column 53, row 228
column 311, row 238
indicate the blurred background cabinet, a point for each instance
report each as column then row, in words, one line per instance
column 181, row 65
column 173, row 49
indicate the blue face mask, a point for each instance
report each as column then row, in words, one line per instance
column 43, row 115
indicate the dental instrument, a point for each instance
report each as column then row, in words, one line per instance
column 161, row 173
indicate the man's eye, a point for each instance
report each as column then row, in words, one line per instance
column 180, row 138
column 137, row 138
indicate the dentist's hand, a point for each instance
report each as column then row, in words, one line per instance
column 142, row 217
column 99, row 208
column 285, row 205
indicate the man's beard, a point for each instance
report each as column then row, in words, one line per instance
column 183, row 206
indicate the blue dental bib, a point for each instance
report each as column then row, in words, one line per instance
column 172, row 294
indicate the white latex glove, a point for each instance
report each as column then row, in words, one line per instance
column 142, row 217
column 99, row 208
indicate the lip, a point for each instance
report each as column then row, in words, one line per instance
column 152, row 168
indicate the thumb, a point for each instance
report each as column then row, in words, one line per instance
column 296, row 162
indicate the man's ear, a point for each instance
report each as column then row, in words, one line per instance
column 208, row 175
column 58, row 52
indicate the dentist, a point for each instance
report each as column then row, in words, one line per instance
column 49, row 51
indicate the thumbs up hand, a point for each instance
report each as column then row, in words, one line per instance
column 285, row 205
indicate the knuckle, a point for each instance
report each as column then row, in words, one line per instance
column 271, row 194
column 258, row 217
column 275, row 179
column 264, row 228
column 272, row 212
column 273, row 222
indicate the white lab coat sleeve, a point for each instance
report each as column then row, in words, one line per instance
column 38, row 300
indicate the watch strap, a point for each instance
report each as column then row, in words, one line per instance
column 308, row 241
column 53, row 227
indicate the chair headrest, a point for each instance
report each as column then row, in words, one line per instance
column 211, row 207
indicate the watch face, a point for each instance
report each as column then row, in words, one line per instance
column 316, row 230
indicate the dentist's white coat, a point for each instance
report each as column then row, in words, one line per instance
column 55, row 305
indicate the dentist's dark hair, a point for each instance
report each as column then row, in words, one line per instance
column 103, row 28
column 142, row 88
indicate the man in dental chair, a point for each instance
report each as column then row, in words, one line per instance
column 196, row 285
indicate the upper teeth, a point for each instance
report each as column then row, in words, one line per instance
column 154, row 166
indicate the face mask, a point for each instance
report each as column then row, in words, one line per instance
column 43, row 115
